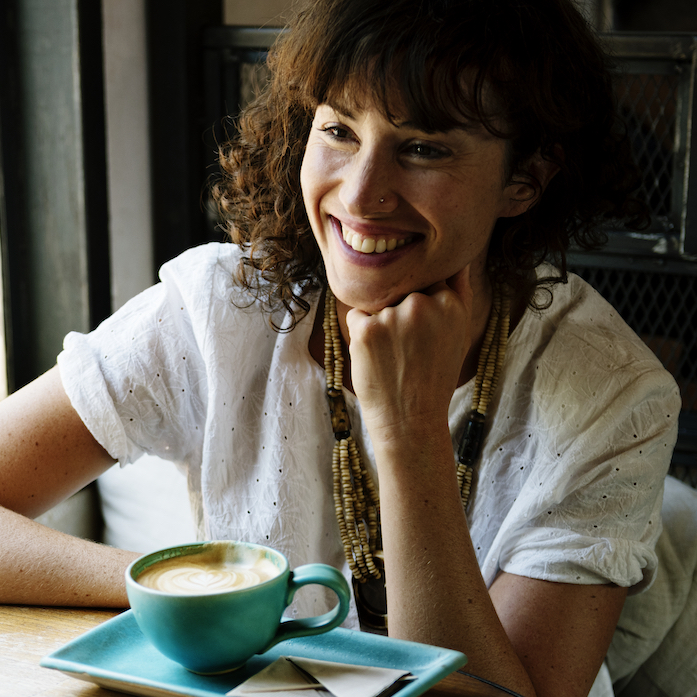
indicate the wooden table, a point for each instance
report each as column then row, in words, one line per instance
column 29, row 633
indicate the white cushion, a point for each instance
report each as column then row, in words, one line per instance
column 145, row 506
column 654, row 650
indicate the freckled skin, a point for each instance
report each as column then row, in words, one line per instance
column 72, row 571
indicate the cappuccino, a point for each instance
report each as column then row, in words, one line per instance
column 186, row 603
column 208, row 572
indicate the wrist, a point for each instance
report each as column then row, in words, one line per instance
column 422, row 447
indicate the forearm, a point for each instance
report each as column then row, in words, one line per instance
column 436, row 593
column 40, row 566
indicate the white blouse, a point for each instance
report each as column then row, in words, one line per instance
column 569, row 486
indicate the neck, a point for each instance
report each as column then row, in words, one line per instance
column 481, row 309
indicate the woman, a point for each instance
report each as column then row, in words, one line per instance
column 421, row 160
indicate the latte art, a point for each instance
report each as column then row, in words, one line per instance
column 200, row 574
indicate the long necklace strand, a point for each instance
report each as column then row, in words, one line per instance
column 488, row 371
column 355, row 497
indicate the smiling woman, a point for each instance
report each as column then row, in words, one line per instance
column 429, row 200
column 471, row 435
column 439, row 67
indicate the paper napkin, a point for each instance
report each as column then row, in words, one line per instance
column 291, row 676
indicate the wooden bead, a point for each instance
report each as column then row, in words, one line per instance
column 356, row 500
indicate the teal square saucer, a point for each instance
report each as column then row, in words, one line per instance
column 117, row 656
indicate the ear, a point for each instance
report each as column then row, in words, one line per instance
column 526, row 188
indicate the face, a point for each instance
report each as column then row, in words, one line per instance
column 395, row 209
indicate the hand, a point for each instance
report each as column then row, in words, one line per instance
column 406, row 360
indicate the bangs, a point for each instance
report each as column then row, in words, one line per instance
column 433, row 99
column 411, row 66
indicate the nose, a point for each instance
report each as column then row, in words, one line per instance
column 368, row 188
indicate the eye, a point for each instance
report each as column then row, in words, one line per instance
column 336, row 132
column 425, row 151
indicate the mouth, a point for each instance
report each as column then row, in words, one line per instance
column 372, row 244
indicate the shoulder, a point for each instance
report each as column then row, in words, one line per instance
column 585, row 425
column 199, row 265
column 580, row 329
column 202, row 282
column 578, row 366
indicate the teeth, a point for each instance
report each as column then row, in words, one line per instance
column 370, row 245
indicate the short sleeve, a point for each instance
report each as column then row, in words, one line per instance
column 571, row 478
column 597, row 515
column 138, row 381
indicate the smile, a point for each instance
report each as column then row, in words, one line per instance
column 372, row 245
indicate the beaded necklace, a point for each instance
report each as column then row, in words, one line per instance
column 356, row 500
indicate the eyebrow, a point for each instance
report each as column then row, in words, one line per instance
column 399, row 124
column 339, row 110
column 414, row 125
column 469, row 126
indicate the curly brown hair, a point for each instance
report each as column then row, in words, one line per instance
column 531, row 71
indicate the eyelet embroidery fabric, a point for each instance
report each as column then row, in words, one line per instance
column 570, row 480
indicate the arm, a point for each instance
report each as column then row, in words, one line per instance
column 46, row 455
column 529, row 633
column 560, row 631
column 534, row 637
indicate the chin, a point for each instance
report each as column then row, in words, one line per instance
column 361, row 299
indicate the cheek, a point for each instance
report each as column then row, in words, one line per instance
column 314, row 178
column 306, row 182
column 310, row 186
column 467, row 228
column 312, row 161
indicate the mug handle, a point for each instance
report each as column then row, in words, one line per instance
column 323, row 575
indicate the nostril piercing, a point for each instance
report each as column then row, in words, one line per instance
column 382, row 200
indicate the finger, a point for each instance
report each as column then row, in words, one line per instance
column 356, row 320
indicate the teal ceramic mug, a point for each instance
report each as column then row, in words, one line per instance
column 211, row 606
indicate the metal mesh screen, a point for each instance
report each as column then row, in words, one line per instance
column 658, row 297
column 649, row 104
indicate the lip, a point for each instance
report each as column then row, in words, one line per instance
column 375, row 232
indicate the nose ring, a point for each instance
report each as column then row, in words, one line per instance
column 382, row 200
